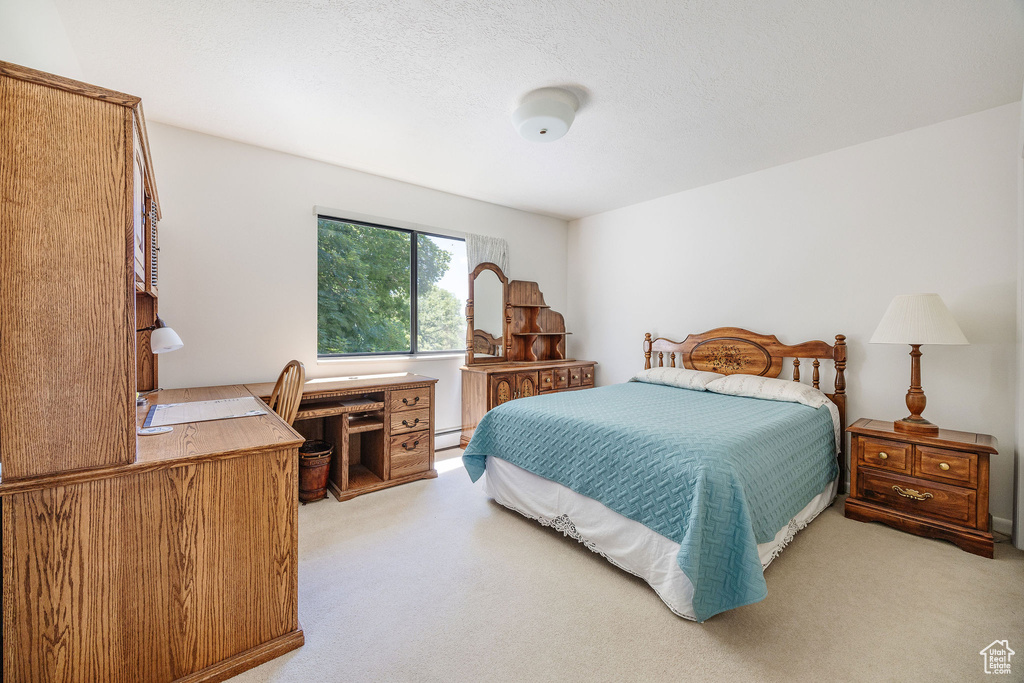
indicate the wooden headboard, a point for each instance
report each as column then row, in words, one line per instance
column 733, row 350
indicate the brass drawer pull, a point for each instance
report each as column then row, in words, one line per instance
column 911, row 493
column 883, row 456
column 943, row 466
column 414, row 401
column 414, row 422
column 548, row 380
column 406, row 446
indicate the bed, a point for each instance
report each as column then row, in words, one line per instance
column 694, row 475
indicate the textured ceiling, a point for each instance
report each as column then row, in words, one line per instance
column 675, row 94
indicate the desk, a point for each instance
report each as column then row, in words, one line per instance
column 382, row 427
column 180, row 565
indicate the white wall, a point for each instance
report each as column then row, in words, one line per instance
column 819, row 247
column 32, row 34
column 1018, row 512
column 238, row 257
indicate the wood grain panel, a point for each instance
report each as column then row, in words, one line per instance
column 146, row 377
column 199, row 566
column 66, row 301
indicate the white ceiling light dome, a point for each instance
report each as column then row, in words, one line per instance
column 545, row 114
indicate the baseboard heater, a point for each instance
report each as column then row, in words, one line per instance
column 447, row 438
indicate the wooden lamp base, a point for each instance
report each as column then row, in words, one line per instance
column 914, row 423
column 909, row 425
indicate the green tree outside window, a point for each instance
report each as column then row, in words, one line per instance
column 365, row 290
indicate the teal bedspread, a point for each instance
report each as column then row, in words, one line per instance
column 717, row 474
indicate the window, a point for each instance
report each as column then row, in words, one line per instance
column 387, row 290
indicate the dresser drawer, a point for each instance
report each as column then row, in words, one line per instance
column 588, row 375
column 547, row 380
column 409, row 420
column 408, row 399
column 940, row 464
column 939, row 501
column 890, row 455
column 575, row 376
column 410, row 453
column 561, row 378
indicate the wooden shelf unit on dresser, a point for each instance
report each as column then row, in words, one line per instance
column 123, row 559
column 487, row 386
column 934, row 486
column 527, row 359
column 382, row 428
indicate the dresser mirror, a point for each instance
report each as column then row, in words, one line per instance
column 485, row 315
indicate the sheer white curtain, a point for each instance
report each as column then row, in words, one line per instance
column 481, row 249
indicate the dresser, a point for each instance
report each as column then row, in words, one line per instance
column 381, row 426
column 125, row 558
column 934, row 486
column 487, row 386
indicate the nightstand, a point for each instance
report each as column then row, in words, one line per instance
column 933, row 486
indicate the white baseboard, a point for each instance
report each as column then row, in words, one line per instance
column 1003, row 526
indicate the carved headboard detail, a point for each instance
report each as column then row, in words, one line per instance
column 733, row 350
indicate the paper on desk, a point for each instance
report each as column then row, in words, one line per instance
column 203, row 411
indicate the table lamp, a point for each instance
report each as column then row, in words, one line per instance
column 917, row 319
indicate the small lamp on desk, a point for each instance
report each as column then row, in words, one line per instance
column 162, row 340
column 917, row 319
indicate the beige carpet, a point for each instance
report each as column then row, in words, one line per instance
column 432, row 581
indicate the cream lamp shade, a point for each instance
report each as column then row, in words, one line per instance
column 917, row 319
column 165, row 339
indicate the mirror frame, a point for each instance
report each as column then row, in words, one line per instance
column 470, row 358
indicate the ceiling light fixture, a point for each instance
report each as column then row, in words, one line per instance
column 545, row 114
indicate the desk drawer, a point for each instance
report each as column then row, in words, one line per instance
column 561, row 378
column 410, row 453
column 410, row 399
column 588, row 375
column 575, row 376
column 409, row 420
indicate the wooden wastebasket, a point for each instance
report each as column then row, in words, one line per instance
column 314, row 466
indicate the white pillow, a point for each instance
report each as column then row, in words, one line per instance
column 770, row 388
column 696, row 380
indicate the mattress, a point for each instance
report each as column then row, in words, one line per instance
column 625, row 543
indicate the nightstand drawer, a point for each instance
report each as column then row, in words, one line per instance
column 890, row 455
column 939, row 501
column 944, row 465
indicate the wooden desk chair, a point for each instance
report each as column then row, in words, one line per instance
column 287, row 394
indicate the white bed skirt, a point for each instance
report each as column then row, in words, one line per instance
column 627, row 544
